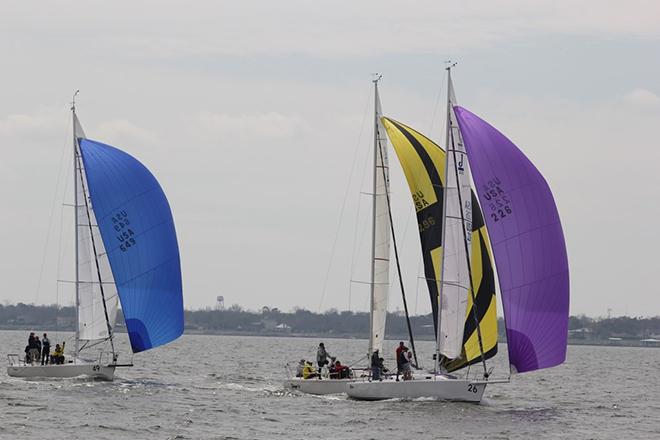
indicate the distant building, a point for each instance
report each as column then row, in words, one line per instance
column 579, row 333
column 283, row 327
column 650, row 342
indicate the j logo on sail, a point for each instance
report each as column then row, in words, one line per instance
column 459, row 165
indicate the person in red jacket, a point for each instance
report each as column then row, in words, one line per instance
column 339, row 371
column 399, row 358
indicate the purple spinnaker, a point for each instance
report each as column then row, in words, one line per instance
column 528, row 245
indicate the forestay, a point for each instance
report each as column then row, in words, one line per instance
column 92, row 323
column 457, row 227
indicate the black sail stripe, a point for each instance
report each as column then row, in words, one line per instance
column 477, row 216
column 431, row 238
column 485, row 292
column 484, row 298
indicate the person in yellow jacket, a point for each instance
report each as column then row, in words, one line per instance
column 308, row 371
column 58, row 354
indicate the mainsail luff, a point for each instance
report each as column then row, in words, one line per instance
column 96, row 295
column 528, row 245
column 76, row 280
column 380, row 251
column 95, row 253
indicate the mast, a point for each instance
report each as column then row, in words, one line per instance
column 75, row 220
column 451, row 146
column 380, row 276
column 396, row 257
column 78, row 173
column 444, row 215
column 377, row 78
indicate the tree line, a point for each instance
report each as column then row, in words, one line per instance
column 301, row 321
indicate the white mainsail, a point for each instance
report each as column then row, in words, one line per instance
column 457, row 227
column 380, row 266
column 92, row 323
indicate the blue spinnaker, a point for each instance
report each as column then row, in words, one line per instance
column 138, row 232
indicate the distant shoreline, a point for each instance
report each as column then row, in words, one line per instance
column 595, row 343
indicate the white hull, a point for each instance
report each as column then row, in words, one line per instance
column 438, row 388
column 92, row 370
column 319, row 386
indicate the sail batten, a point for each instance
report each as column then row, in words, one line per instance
column 528, row 245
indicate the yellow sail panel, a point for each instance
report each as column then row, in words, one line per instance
column 423, row 163
column 417, row 155
column 483, row 280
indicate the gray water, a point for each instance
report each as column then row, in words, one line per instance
column 230, row 387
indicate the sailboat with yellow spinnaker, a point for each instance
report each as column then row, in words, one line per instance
column 423, row 163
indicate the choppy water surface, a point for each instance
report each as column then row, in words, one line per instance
column 230, row 387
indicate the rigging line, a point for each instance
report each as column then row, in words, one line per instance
column 60, row 247
column 437, row 103
column 411, row 214
column 353, row 255
column 343, row 206
column 96, row 260
column 89, row 344
column 419, row 267
column 396, row 252
column 467, row 258
column 360, row 237
column 52, row 212
column 59, row 264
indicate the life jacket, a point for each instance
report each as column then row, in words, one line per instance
column 308, row 371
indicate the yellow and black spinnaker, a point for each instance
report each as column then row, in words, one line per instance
column 423, row 163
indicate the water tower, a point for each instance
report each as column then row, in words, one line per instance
column 220, row 302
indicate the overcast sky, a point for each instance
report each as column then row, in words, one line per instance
column 256, row 119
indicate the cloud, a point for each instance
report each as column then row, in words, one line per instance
column 35, row 126
column 124, row 132
column 642, row 97
column 254, row 126
column 343, row 28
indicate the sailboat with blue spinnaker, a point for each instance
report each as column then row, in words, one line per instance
column 126, row 252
